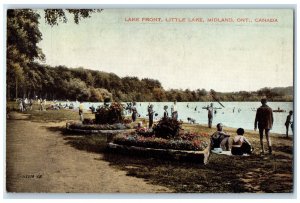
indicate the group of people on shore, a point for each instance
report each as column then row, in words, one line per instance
column 131, row 108
column 27, row 104
column 24, row 104
column 221, row 141
column 239, row 144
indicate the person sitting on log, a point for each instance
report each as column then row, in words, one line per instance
column 219, row 139
column 240, row 144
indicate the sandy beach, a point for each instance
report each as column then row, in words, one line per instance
column 40, row 160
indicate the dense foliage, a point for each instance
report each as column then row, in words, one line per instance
column 109, row 114
column 62, row 83
column 167, row 128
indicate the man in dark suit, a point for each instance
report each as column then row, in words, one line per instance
column 264, row 121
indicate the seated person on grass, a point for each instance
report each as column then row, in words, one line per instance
column 240, row 144
column 219, row 139
column 191, row 120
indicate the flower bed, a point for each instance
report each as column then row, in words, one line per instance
column 194, row 143
column 115, row 126
column 104, row 129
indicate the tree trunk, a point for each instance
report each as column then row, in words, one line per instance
column 16, row 88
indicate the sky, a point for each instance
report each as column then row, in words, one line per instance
column 224, row 56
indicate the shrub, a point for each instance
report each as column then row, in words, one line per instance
column 167, row 128
column 110, row 114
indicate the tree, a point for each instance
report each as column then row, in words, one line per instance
column 159, row 94
column 54, row 16
column 23, row 35
column 77, row 89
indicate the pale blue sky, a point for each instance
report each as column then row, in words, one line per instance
column 220, row 56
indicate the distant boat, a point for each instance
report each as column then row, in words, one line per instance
column 280, row 110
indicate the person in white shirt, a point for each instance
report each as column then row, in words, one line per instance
column 174, row 111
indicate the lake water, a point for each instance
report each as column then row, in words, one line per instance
column 236, row 119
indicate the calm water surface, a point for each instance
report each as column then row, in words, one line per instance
column 235, row 114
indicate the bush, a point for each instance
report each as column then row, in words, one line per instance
column 110, row 114
column 167, row 128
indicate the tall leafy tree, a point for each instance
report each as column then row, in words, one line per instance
column 23, row 35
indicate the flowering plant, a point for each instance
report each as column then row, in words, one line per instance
column 115, row 126
column 134, row 139
column 192, row 136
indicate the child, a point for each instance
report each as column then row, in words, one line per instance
column 289, row 121
column 240, row 144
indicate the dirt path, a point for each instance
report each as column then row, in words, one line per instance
column 39, row 160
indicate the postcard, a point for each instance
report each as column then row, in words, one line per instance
column 143, row 101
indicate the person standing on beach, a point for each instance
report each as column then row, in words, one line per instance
column 150, row 114
column 288, row 122
column 134, row 112
column 264, row 120
column 174, row 111
column 81, row 111
column 166, row 114
column 210, row 110
column 44, row 102
column 40, row 103
column 21, row 108
column 24, row 105
column 30, row 103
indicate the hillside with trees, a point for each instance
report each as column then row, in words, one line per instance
column 62, row 83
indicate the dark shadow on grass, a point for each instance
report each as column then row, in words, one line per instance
column 223, row 174
column 55, row 129
column 285, row 149
column 219, row 176
column 95, row 144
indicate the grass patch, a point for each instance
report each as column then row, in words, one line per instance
column 223, row 174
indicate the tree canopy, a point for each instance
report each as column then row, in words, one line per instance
column 23, row 35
